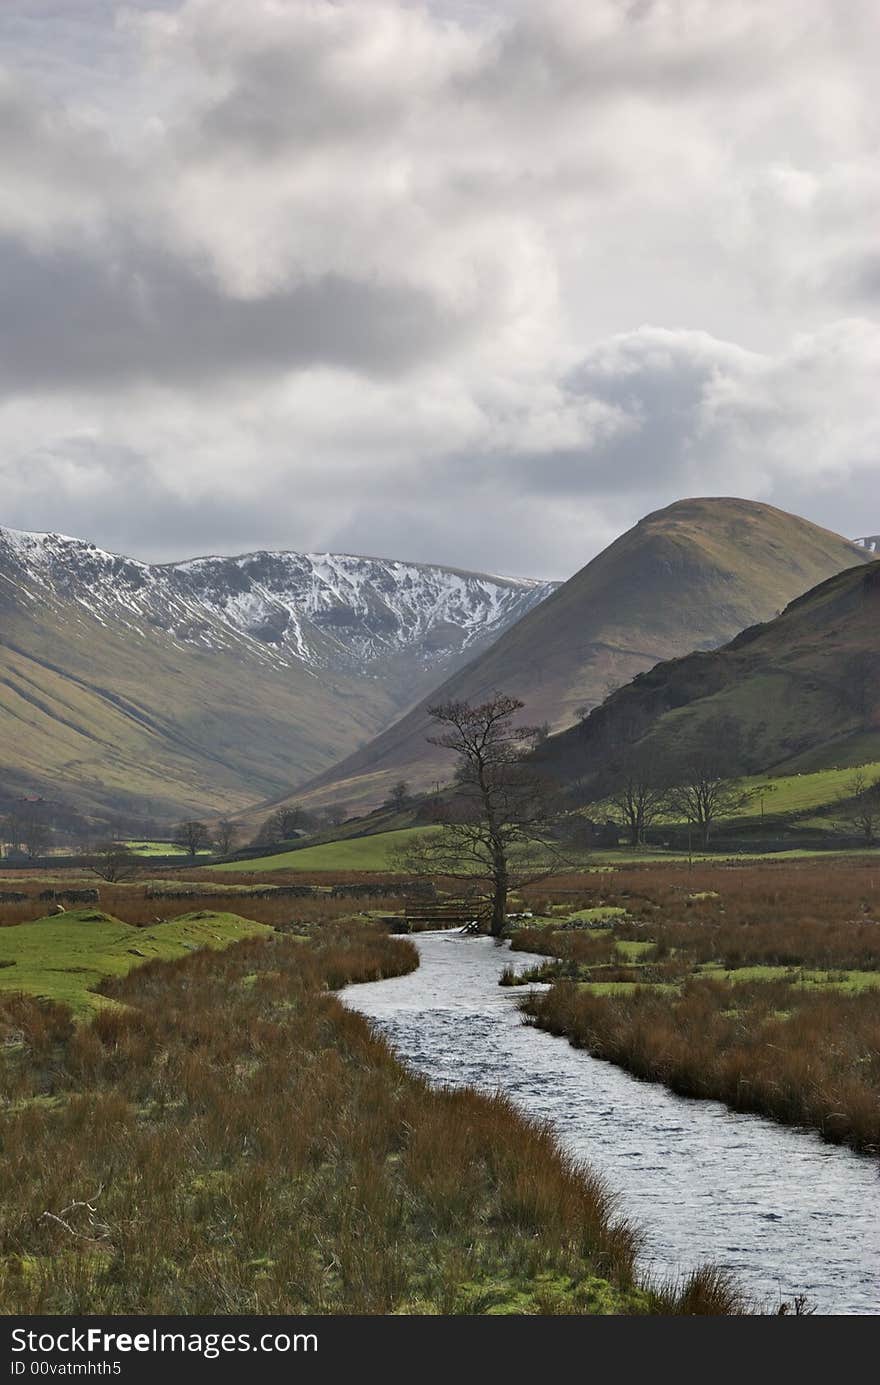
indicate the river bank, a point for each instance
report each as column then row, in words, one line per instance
column 778, row 1208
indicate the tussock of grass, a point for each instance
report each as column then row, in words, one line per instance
column 802, row 1058
column 758, row 986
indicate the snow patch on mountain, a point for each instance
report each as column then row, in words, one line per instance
column 323, row 610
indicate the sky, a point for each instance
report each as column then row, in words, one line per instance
column 476, row 283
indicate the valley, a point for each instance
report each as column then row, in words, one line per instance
column 623, row 1102
column 135, row 692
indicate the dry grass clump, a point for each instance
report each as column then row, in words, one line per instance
column 806, row 913
column 575, row 945
column 801, row 1057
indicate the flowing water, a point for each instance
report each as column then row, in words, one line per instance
column 787, row 1213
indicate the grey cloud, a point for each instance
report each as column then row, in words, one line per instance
column 115, row 497
column 642, row 48
column 281, row 98
column 857, row 278
column 71, row 319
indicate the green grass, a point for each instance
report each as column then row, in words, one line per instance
column 828, row 978
column 784, row 795
column 374, row 853
column 139, row 847
column 798, row 793
column 631, row 952
column 624, row 987
column 599, row 912
column 652, row 856
column 63, row 958
column 563, row 915
column 358, row 853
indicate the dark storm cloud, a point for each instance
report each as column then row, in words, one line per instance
column 73, row 320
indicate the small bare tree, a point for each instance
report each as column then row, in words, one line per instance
column 636, row 794
column 35, row 829
column 704, row 779
column 226, row 835
column 862, row 810
column 113, row 862
column 193, row 837
column 494, row 832
column 397, row 798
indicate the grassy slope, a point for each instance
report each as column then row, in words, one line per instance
column 690, row 576
column 121, row 717
column 103, row 718
column 148, row 849
column 64, row 958
column 797, row 795
column 358, row 853
column 789, row 684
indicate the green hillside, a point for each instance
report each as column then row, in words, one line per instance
column 113, row 722
column 802, row 690
column 687, row 577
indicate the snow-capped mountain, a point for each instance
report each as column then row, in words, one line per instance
column 201, row 686
column 323, row 610
column 872, row 543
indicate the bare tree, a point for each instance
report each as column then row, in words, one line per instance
column 705, row 778
column 192, row 837
column 28, row 827
column 226, row 835
column 494, row 831
column 113, row 862
column 637, row 794
column 862, row 810
column 285, row 823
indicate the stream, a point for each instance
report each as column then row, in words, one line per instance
column 785, row 1212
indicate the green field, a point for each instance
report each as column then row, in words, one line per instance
column 139, row 847
column 64, row 958
column 374, row 854
column 356, row 853
column 798, row 793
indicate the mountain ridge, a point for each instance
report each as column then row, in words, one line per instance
column 268, row 595
column 688, row 576
column 204, row 685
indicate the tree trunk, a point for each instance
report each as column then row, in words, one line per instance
column 499, row 899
